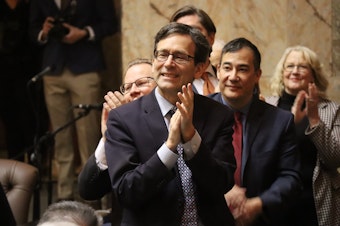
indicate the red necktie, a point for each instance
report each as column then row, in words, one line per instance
column 208, row 87
column 237, row 143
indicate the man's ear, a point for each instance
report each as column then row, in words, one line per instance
column 258, row 75
column 152, row 66
column 199, row 69
column 218, row 66
column 211, row 38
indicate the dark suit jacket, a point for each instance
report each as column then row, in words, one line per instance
column 83, row 56
column 93, row 184
column 150, row 193
column 270, row 161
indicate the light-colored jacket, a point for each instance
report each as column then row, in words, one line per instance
column 326, row 175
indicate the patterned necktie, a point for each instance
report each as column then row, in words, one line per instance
column 208, row 87
column 190, row 212
column 237, row 143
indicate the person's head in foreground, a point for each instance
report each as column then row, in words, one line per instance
column 70, row 213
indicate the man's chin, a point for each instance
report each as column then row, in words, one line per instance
column 166, row 84
column 231, row 96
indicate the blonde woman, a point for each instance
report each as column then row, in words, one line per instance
column 299, row 85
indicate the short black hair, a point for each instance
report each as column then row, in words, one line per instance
column 239, row 43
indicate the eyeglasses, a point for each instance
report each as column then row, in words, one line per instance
column 302, row 68
column 180, row 58
column 141, row 82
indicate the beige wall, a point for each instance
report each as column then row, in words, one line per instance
column 271, row 25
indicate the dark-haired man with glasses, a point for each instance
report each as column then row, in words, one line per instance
column 180, row 58
column 94, row 181
column 148, row 148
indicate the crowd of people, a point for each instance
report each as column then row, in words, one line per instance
column 188, row 139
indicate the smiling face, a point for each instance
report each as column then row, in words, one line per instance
column 238, row 77
column 171, row 76
column 297, row 73
column 134, row 73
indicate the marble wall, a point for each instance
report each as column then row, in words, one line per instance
column 271, row 25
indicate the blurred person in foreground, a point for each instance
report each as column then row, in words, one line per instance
column 70, row 213
column 19, row 61
column 72, row 35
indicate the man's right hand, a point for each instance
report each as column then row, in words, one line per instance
column 113, row 100
column 47, row 26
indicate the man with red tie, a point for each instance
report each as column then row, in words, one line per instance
column 267, row 178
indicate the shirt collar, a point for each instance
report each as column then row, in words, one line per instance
column 164, row 105
column 243, row 110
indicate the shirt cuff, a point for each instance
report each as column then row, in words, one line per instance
column 100, row 155
column 40, row 38
column 168, row 157
column 191, row 147
column 91, row 33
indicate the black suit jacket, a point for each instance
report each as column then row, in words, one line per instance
column 149, row 193
column 93, row 184
column 270, row 161
column 83, row 56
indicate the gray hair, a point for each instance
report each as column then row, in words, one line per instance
column 71, row 211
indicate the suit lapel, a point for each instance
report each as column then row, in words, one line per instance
column 253, row 123
column 154, row 118
column 157, row 128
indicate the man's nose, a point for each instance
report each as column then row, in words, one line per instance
column 233, row 75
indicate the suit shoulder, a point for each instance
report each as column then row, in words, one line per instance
column 329, row 103
column 215, row 96
column 209, row 100
column 271, row 109
column 211, row 108
column 136, row 108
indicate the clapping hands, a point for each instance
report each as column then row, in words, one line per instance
column 181, row 128
column 311, row 100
